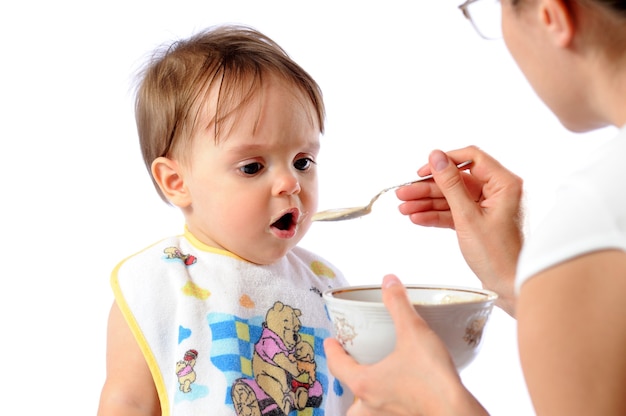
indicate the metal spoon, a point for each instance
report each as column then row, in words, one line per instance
column 340, row 214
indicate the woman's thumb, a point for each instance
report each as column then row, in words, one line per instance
column 449, row 180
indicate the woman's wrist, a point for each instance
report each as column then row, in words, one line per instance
column 500, row 277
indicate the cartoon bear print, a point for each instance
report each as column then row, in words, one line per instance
column 175, row 253
column 283, row 366
column 185, row 372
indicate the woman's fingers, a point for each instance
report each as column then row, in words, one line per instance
column 451, row 184
column 340, row 363
column 405, row 318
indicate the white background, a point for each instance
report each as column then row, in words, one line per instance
column 399, row 78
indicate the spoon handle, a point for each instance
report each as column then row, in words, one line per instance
column 355, row 212
column 424, row 178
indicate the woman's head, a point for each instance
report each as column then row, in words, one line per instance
column 220, row 70
column 570, row 51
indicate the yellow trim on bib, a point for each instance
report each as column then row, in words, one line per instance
column 143, row 343
column 201, row 246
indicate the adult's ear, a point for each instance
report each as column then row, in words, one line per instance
column 167, row 173
column 557, row 16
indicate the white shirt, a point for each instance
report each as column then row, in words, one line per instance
column 589, row 213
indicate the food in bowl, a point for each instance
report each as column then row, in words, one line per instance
column 364, row 327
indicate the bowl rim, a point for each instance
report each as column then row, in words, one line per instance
column 489, row 295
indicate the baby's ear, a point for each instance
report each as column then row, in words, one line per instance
column 167, row 173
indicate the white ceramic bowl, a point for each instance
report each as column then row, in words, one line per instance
column 365, row 329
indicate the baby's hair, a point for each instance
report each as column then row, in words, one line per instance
column 227, row 64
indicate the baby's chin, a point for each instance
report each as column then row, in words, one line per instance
column 266, row 256
column 265, row 260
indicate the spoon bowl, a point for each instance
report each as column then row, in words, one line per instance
column 340, row 214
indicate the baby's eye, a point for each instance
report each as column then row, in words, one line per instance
column 251, row 168
column 303, row 164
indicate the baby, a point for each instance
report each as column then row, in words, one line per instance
column 226, row 318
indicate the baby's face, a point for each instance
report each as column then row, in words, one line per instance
column 254, row 192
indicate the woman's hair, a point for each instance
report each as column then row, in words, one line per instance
column 615, row 5
column 224, row 63
column 607, row 29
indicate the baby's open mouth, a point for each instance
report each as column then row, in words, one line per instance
column 285, row 222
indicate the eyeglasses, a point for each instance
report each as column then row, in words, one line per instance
column 485, row 16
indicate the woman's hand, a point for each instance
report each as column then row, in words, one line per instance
column 483, row 206
column 417, row 378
